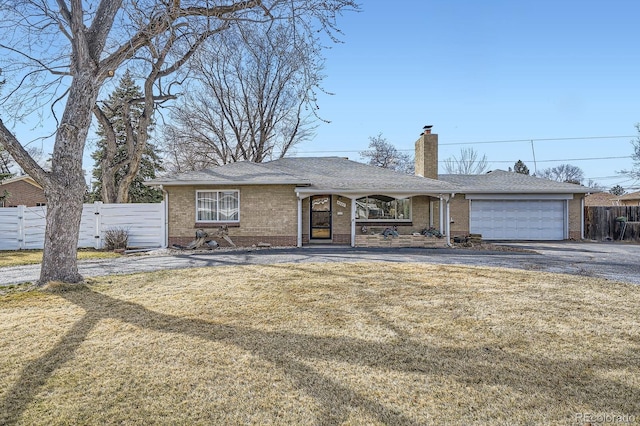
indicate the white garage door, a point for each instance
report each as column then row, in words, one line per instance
column 518, row 219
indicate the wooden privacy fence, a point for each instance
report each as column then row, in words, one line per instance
column 23, row 227
column 600, row 223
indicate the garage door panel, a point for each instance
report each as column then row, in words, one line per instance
column 518, row 219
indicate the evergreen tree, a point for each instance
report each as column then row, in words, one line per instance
column 112, row 164
column 521, row 168
column 617, row 190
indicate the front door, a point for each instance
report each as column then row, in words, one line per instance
column 320, row 217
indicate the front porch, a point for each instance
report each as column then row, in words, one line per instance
column 359, row 218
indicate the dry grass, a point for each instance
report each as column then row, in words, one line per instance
column 355, row 344
column 32, row 257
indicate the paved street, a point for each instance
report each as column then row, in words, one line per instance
column 613, row 261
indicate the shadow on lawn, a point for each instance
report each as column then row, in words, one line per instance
column 578, row 387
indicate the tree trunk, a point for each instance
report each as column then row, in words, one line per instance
column 64, row 211
column 108, row 178
column 66, row 185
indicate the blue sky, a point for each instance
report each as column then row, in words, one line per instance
column 493, row 75
column 562, row 73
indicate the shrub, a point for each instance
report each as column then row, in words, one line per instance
column 116, row 238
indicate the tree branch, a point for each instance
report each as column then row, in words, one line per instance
column 160, row 23
column 22, row 157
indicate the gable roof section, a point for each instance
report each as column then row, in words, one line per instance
column 502, row 182
column 311, row 174
column 600, row 199
column 336, row 174
column 23, row 178
column 631, row 196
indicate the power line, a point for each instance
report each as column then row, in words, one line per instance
column 483, row 142
column 565, row 159
column 538, row 140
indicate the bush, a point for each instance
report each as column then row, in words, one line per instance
column 116, row 238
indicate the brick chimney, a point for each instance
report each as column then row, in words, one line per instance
column 426, row 155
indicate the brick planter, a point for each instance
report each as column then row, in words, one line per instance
column 378, row 240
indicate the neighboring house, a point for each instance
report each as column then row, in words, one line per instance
column 23, row 191
column 307, row 200
column 602, row 199
column 632, row 199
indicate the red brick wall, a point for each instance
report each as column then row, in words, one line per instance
column 22, row 193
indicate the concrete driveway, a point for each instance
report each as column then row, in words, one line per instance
column 614, row 261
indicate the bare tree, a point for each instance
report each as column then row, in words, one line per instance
column 58, row 55
column 634, row 172
column 467, row 163
column 252, row 98
column 563, row 173
column 382, row 153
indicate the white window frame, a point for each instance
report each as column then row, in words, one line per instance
column 406, row 220
column 218, row 192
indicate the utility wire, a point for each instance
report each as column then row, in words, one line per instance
column 485, row 142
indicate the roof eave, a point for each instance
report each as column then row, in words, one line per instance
column 212, row 182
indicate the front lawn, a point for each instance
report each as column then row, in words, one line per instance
column 31, row 257
column 359, row 343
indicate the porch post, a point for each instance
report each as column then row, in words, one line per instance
column 441, row 215
column 353, row 222
column 581, row 217
column 448, row 223
column 299, row 237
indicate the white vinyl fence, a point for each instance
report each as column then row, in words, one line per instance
column 23, row 227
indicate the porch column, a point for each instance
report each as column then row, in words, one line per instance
column 441, row 214
column 448, row 223
column 431, row 208
column 581, row 217
column 299, row 237
column 353, row 222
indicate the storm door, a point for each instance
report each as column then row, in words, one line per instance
column 320, row 217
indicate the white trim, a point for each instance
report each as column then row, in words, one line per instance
column 217, row 191
column 359, row 193
column 441, row 214
column 566, row 220
column 431, row 208
column 448, row 223
column 299, row 233
column 165, row 218
column 518, row 196
column 353, row 222
column 582, row 218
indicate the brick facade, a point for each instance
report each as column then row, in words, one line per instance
column 268, row 214
column 23, row 193
column 575, row 217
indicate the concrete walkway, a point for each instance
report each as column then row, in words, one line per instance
column 620, row 262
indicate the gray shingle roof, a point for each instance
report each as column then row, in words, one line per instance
column 316, row 173
column 499, row 181
column 336, row 174
column 240, row 173
column 341, row 174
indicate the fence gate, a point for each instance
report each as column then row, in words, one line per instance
column 23, row 227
